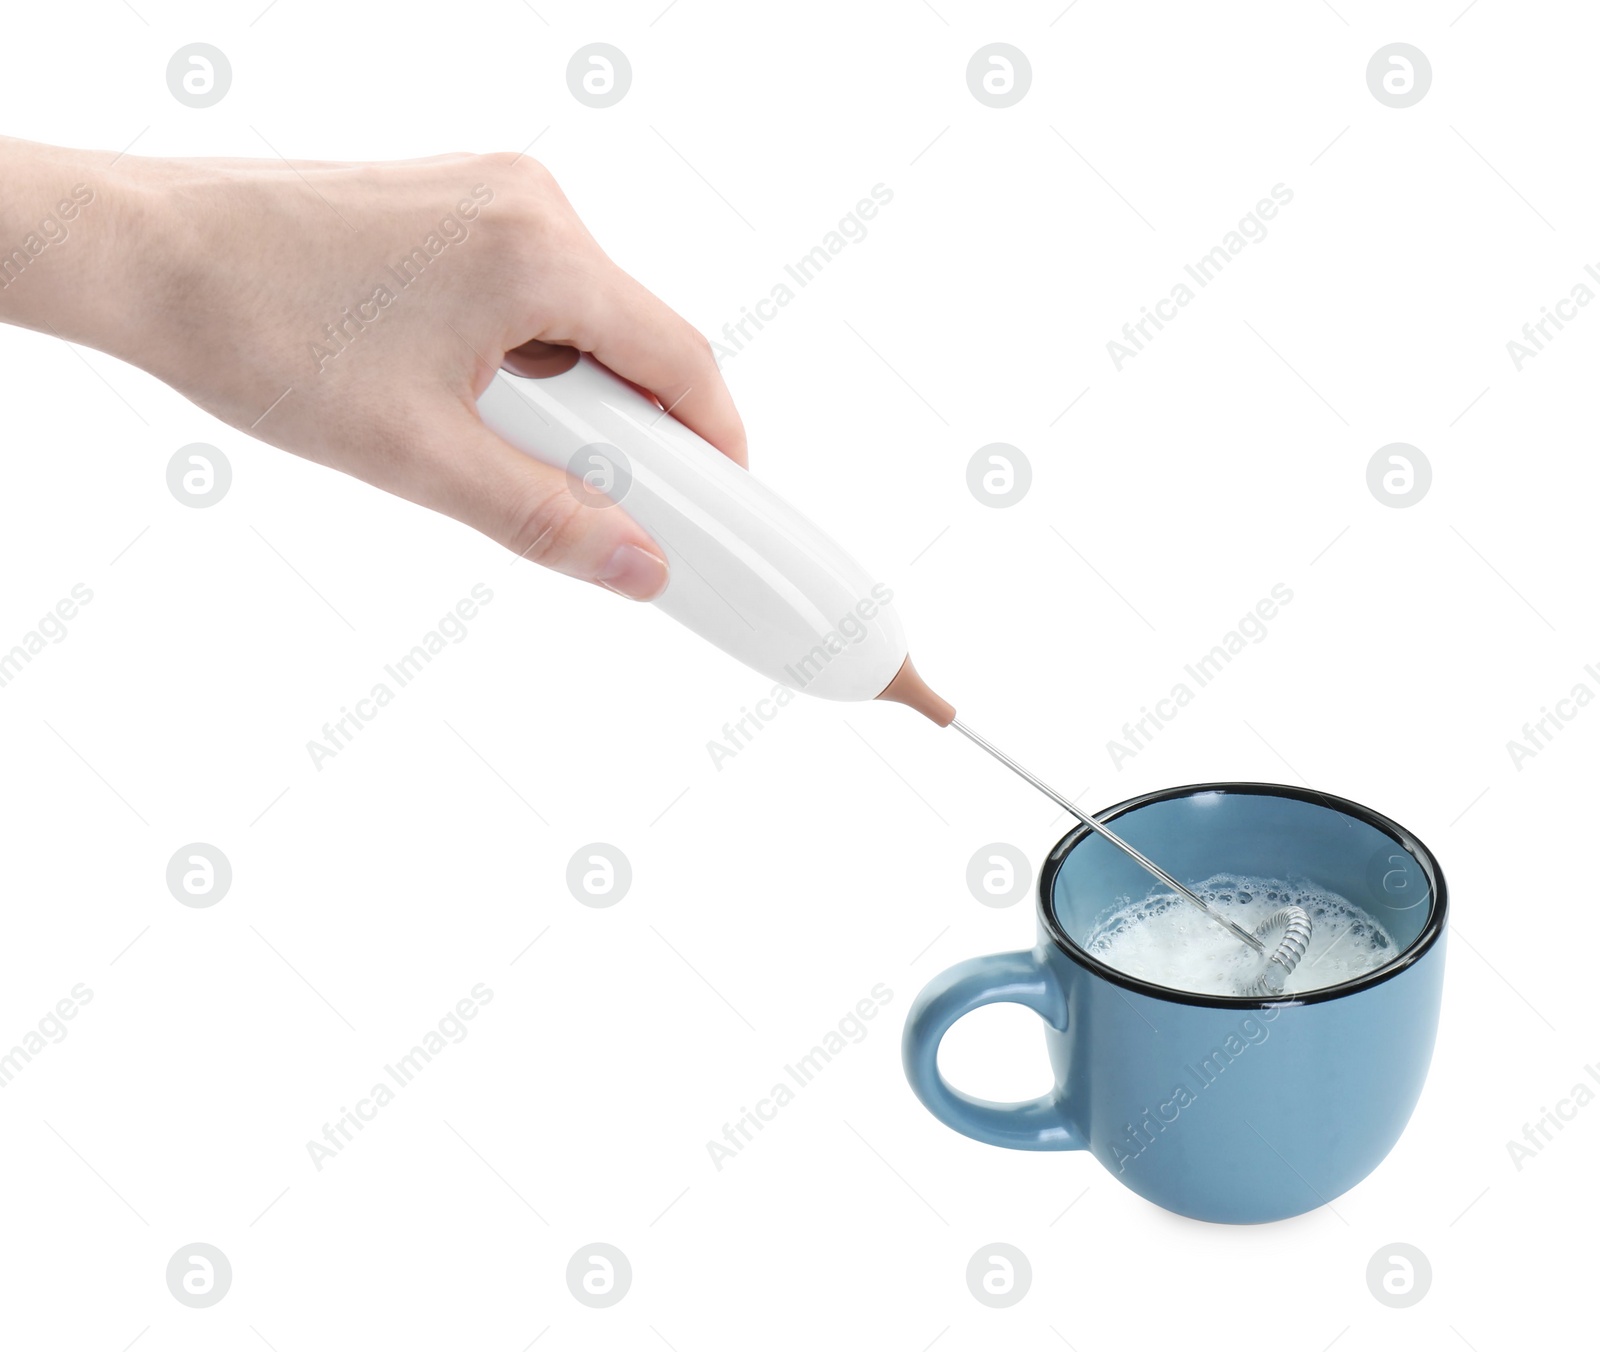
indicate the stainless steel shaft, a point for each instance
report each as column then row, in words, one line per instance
column 1149, row 865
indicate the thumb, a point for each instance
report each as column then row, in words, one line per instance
column 541, row 513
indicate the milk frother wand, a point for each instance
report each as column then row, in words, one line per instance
column 1238, row 932
column 755, row 577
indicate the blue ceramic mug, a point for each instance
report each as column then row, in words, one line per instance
column 1224, row 1108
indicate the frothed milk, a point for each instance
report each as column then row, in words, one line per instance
column 1165, row 940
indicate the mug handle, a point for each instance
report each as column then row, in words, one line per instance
column 1021, row 978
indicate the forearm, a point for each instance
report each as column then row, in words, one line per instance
column 74, row 243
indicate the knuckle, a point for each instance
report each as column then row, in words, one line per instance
column 527, row 184
column 534, row 173
column 538, row 214
column 513, row 166
column 690, row 362
column 533, row 184
column 544, row 522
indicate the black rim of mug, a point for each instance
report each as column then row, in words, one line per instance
column 1424, row 941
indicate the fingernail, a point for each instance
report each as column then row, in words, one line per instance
column 635, row 573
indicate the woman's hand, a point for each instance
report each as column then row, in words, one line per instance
column 352, row 314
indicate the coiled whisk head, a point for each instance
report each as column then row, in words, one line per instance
column 1285, row 934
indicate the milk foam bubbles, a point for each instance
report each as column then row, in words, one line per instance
column 1164, row 940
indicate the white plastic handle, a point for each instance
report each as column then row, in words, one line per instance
column 748, row 572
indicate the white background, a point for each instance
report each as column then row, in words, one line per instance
column 772, row 894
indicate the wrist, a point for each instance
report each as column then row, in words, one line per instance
column 72, row 232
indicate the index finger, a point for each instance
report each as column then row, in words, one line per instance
column 644, row 340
